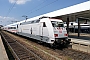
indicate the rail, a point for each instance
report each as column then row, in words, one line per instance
column 19, row 51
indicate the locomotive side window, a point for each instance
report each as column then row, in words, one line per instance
column 29, row 22
column 32, row 21
column 17, row 26
column 37, row 21
column 20, row 23
column 44, row 25
column 57, row 24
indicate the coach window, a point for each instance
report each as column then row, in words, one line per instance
column 8, row 27
column 71, row 23
column 14, row 27
column 44, row 25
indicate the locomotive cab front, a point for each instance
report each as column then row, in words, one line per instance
column 60, row 32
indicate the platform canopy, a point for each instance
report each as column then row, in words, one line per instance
column 78, row 10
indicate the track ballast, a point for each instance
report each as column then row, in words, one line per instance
column 19, row 51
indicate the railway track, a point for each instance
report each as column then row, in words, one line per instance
column 67, row 53
column 19, row 51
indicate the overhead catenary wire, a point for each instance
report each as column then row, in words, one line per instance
column 10, row 9
column 36, row 6
column 43, row 6
column 33, row 9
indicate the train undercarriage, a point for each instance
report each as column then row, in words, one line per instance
column 61, row 42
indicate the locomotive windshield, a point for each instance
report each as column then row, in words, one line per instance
column 57, row 24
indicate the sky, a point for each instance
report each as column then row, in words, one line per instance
column 13, row 10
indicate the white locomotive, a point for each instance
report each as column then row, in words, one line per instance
column 45, row 29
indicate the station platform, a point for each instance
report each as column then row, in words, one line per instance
column 3, row 54
column 82, row 37
column 81, row 43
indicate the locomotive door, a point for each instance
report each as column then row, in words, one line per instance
column 41, row 30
